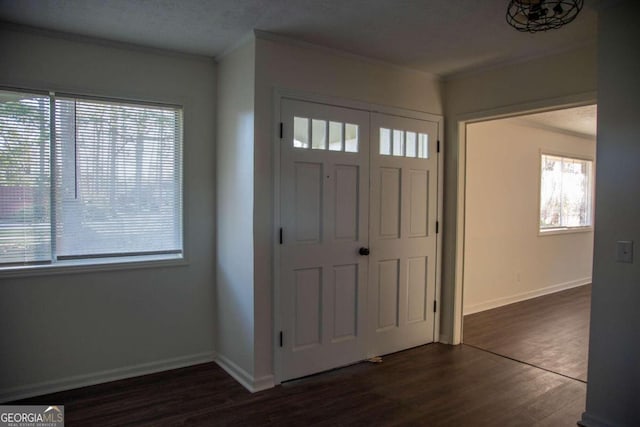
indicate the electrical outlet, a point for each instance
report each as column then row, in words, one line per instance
column 624, row 251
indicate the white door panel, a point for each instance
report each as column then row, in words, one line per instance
column 324, row 216
column 402, row 233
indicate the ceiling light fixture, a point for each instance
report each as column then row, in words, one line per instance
column 542, row 15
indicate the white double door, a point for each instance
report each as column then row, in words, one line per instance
column 358, row 206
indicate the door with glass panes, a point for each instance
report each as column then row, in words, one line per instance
column 402, row 233
column 356, row 265
column 324, row 216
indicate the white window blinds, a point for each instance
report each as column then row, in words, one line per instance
column 25, row 232
column 117, row 181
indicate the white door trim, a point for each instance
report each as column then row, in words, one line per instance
column 278, row 95
column 461, row 122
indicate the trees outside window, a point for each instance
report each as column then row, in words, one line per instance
column 87, row 178
column 565, row 192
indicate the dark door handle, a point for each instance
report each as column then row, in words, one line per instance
column 363, row 251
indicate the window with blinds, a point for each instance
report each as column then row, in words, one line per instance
column 25, row 178
column 88, row 179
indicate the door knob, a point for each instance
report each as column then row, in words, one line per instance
column 363, row 251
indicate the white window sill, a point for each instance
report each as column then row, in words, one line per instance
column 564, row 230
column 94, row 265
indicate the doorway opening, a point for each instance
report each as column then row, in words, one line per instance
column 528, row 237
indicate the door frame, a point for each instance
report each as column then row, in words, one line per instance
column 282, row 93
column 455, row 306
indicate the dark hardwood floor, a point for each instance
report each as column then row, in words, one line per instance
column 551, row 331
column 432, row 385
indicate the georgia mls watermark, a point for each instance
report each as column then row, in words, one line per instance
column 31, row 416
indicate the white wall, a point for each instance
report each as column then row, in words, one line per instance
column 614, row 349
column 544, row 82
column 235, row 177
column 325, row 72
column 505, row 258
column 65, row 330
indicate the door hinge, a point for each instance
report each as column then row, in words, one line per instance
column 437, row 227
column 281, row 339
column 281, row 130
column 281, row 239
column 435, row 309
column 437, row 146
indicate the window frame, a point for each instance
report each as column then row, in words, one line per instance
column 108, row 263
column 552, row 231
column 403, row 153
column 326, row 147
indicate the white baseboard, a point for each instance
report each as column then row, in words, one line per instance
column 243, row 377
column 499, row 302
column 68, row 383
column 591, row 421
column 444, row 339
column 264, row 383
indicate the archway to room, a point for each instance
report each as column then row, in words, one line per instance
column 528, row 237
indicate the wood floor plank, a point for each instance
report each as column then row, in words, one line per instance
column 432, row 385
column 551, row 331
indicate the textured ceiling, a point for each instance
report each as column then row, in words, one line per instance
column 438, row 36
column 580, row 120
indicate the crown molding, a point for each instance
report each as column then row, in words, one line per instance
column 278, row 38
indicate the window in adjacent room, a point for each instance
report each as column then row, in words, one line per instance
column 566, row 201
column 87, row 180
